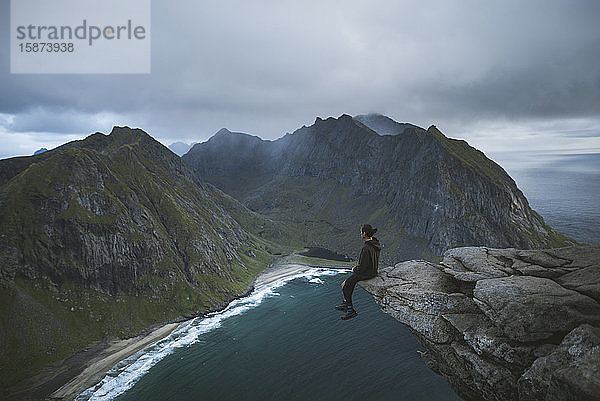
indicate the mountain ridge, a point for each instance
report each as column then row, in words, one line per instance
column 428, row 192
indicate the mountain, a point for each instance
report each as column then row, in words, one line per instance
column 41, row 150
column 104, row 237
column 425, row 192
column 236, row 161
column 180, row 148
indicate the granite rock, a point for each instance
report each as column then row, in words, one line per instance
column 570, row 372
column 503, row 324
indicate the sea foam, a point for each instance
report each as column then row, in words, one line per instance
column 126, row 373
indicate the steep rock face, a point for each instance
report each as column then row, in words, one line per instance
column 236, row 160
column 103, row 237
column 503, row 324
column 424, row 191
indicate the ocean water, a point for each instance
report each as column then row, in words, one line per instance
column 283, row 342
column 563, row 188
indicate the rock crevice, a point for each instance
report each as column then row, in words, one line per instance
column 503, row 324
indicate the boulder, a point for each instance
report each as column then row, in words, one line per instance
column 530, row 308
column 570, row 372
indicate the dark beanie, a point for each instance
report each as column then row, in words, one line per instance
column 368, row 230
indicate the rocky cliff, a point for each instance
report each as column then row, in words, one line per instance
column 503, row 324
column 425, row 192
column 104, row 237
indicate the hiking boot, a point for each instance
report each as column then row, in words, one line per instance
column 343, row 307
column 350, row 313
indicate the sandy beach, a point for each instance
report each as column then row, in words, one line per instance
column 63, row 382
column 116, row 352
column 277, row 272
column 289, row 265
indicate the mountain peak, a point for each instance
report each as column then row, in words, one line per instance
column 330, row 119
column 126, row 130
column 227, row 135
column 125, row 134
column 119, row 129
column 341, row 129
column 180, row 148
column 384, row 125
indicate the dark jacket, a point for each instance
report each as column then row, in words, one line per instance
column 368, row 260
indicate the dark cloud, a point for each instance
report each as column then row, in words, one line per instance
column 269, row 67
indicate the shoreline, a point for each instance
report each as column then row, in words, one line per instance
column 281, row 271
column 116, row 352
column 59, row 383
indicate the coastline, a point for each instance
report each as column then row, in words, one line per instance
column 277, row 272
column 59, row 382
column 110, row 356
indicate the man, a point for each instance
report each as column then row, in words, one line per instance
column 368, row 263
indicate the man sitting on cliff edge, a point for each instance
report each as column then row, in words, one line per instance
column 366, row 268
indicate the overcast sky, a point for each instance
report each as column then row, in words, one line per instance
column 522, row 75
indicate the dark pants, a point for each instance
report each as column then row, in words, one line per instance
column 348, row 287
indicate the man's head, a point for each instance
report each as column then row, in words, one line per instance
column 366, row 231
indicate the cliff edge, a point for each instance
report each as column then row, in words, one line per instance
column 503, row 324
